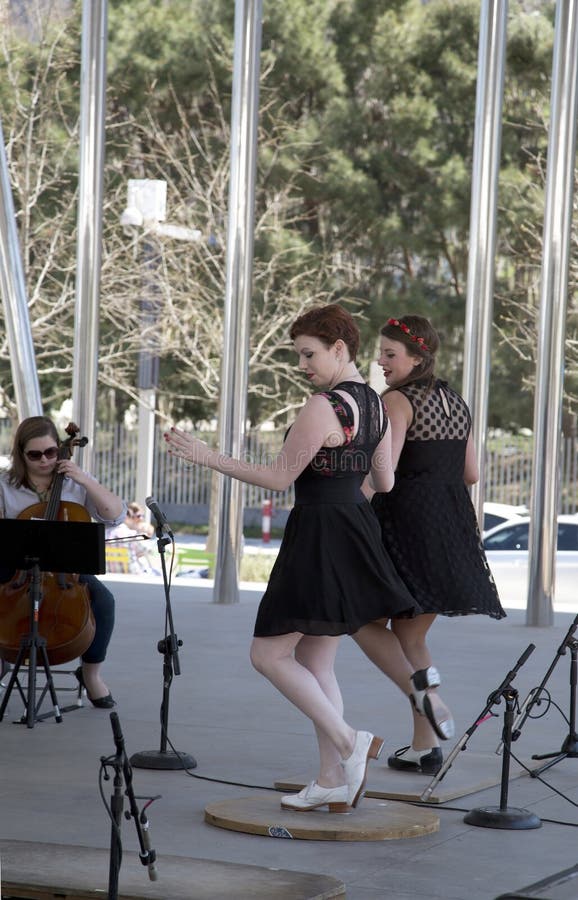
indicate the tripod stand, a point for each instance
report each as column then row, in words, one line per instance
column 32, row 647
column 570, row 745
column 51, row 546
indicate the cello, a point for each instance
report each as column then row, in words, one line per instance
column 65, row 616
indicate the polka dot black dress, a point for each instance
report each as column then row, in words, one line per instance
column 428, row 522
column 332, row 574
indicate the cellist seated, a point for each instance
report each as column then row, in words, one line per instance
column 36, row 465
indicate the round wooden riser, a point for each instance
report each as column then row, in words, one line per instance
column 373, row 820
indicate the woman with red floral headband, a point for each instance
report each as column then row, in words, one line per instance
column 428, row 524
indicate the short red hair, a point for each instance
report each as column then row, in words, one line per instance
column 329, row 324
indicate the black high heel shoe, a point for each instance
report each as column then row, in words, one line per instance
column 101, row 702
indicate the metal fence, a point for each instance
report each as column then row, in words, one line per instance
column 508, row 469
column 174, row 483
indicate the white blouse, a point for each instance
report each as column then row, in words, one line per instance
column 13, row 500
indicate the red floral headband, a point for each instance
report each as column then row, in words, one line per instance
column 406, row 330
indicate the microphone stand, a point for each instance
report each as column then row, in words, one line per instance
column 123, row 771
column 493, row 818
column 570, row 745
column 503, row 816
column 169, row 647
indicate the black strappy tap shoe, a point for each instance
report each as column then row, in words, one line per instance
column 431, row 705
column 406, row 759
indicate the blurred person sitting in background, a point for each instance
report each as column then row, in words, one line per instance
column 133, row 533
column 136, row 515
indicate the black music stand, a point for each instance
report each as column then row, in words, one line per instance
column 40, row 545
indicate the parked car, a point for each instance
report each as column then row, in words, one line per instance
column 512, row 537
column 506, row 548
column 497, row 513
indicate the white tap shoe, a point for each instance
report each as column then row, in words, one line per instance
column 366, row 747
column 313, row 796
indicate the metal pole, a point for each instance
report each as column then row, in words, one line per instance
column 148, row 369
column 146, row 209
column 88, row 251
column 12, row 285
column 234, row 372
column 483, row 215
column 551, row 333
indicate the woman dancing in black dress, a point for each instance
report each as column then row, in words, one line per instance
column 428, row 524
column 332, row 575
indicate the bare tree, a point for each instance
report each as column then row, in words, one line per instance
column 183, row 283
column 289, row 274
column 517, row 321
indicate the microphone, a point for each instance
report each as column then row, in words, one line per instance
column 117, row 734
column 159, row 515
column 529, row 649
column 148, row 857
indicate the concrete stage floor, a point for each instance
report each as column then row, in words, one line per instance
column 245, row 738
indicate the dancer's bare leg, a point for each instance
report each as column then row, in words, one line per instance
column 317, row 654
column 412, row 634
column 384, row 648
column 274, row 658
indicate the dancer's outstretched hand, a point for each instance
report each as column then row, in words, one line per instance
column 187, row 447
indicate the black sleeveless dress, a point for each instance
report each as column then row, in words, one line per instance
column 428, row 522
column 332, row 574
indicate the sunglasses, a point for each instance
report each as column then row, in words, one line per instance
column 35, row 455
